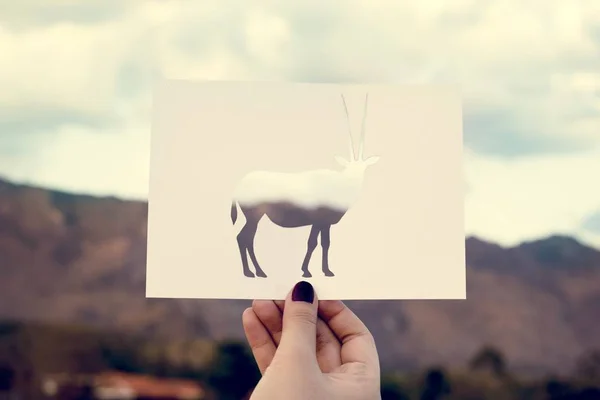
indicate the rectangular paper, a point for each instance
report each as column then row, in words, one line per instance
column 381, row 215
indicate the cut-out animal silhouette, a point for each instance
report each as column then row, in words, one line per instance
column 317, row 198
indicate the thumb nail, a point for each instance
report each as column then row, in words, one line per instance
column 303, row 291
column 299, row 333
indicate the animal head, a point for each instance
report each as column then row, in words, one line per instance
column 356, row 163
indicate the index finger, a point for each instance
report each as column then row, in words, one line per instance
column 358, row 344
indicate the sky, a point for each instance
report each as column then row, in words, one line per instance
column 76, row 79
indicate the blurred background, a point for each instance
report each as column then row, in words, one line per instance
column 75, row 101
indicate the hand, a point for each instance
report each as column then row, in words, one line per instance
column 310, row 349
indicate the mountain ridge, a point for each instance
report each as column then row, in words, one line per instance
column 81, row 259
column 58, row 193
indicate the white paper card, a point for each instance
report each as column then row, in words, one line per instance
column 378, row 217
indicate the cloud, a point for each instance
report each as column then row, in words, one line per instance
column 523, row 199
column 28, row 14
column 56, row 71
column 106, row 163
column 69, row 72
column 508, row 201
column 76, row 82
column 530, row 86
column 592, row 223
column 80, row 60
column 525, row 70
column 46, row 119
column 499, row 131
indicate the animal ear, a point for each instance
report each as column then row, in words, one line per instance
column 341, row 160
column 372, row 160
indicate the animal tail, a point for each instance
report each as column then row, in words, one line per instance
column 233, row 212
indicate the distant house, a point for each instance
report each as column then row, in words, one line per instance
column 40, row 361
column 114, row 385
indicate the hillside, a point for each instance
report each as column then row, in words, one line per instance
column 79, row 259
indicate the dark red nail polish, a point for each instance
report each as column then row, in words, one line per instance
column 303, row 291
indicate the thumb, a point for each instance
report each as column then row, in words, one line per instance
column 299, row 333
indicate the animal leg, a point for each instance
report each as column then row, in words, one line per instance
column 244, row 239
column 311, row 245
column 325, row 242
column 259, row 271
column 253, row 216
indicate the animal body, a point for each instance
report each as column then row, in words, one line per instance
column 317, row 198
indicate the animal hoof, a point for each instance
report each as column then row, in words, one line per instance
column 261, row 274
column 307, row 274
column 328, row 273
column 249, row 274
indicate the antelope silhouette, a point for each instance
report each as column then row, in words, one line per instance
column 316, row 198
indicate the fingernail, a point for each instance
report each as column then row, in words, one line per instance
column 303, row 291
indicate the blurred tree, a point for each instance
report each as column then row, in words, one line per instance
column 588, row 366
column 121, row 355
column 8, row 328
column 87, row 393
column 489, row 359
column 7, row 377
column 233, row 371
column 152, row 356
column 591, row 393
column 176, row 353
column 391, row 389
column 436, row 385
column 557, row 390
column 199, row 353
